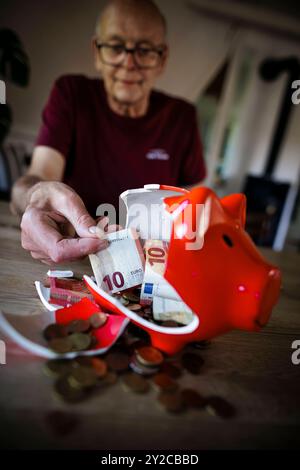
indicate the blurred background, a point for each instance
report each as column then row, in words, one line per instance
column 235, row 60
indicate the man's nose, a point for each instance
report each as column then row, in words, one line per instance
column 129, row 61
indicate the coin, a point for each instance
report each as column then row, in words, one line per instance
column 134, row 307
column 172, row 402
column 170, row 324
column 217, row 406
column 61, row 345
column 123, row 301
column 171, row 369
column 98, row 319
column 132, row 347
column 192, row 363
column 55, row 330
column 99, row 366
column 57, row 367
column 192, row 398
column 135, row 383
column 110, row 378
column 94, row 342
column 164, row 382
column 117, row 361
column 80, row 341
column 78, row 326
column 82, row 361
column 69, row 394
column 82, row 377
column 149, row 356
column 131, row 297
column 141, row 369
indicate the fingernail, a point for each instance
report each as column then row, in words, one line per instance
column 92, row 230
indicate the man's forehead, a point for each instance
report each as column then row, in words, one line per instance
column 115, row 25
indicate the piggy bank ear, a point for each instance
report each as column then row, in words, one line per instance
column 235, row 205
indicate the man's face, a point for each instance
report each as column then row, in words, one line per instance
column 127, row 83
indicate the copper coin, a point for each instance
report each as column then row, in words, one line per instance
column 80, row 341
column 131, row 297
column 135, row 383
column 99, row 366
column 82, row 377
column 57, row 367
column 171, row 369
column 69, row 394
column 192, row 398
column 134, row 307
column 78, row 326
column 141, row 369
column 117, row 361
column 98, row 319
column 192, row 363
column 170, row 324
column 110, row 378
column 164, row 382
column 217, row 406
column 55, row 330
column 61, row 345
column 172, row 402
column 149, row 356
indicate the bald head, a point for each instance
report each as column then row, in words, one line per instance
column 142, row 11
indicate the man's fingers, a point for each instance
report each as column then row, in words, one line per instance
column 69, row 249
column 73, row 209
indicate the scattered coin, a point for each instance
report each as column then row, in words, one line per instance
column 135, row 383
column 217, row 406
column 78, row 326
column 141, row 369
column 80, row 341
column 149, row 356
column 99, row 366
column 61, row 345
column 134, row 307
column 117, row 361
column 171, row 369
column 192, row 398
column 123, row 301
column 69, row 394
column 54, row 331
column 192, row 363
column 164, row 382
column 110, row 378
column 82, row 377
column 131, row 297
column 98, row 319
column 57, row 367
column 172, row 402
column 170, row 324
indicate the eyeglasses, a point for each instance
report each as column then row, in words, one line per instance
column 145, row 56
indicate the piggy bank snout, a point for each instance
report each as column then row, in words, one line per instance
column 269, row 296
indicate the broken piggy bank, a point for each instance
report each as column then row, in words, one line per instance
column 212, row 264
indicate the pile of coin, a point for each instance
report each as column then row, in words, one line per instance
column 77, row 336
column 133, row 362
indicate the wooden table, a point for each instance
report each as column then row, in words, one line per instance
column 252, row 371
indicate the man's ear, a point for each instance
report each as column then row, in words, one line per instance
column 95, row 52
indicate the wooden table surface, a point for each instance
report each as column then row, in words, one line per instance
column 253, row 371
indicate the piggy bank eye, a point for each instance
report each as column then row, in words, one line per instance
column 228, row 240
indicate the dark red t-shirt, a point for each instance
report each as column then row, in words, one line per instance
column 107, row 153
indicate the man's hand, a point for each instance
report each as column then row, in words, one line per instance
column 54, row 215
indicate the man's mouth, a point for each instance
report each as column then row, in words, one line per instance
column 129, row 82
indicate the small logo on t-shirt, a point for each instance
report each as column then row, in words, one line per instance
column 157, row 154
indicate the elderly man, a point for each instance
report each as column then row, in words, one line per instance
column 101, row 137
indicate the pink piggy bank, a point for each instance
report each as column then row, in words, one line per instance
column 212, row 264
